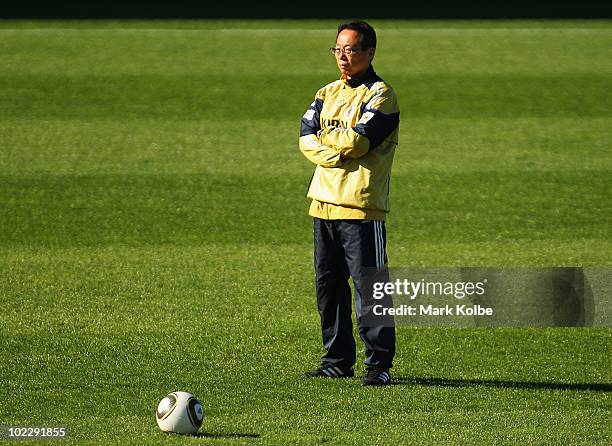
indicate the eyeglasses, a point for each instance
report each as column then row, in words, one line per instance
column 348, row 51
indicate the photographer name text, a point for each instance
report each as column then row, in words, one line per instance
column 430, row 310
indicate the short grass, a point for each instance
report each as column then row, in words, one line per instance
column 154, row 236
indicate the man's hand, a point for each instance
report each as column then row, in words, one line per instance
column 318, row 153
column 348, row 143
column 326, row 130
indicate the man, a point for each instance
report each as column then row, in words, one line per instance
column 350, row 132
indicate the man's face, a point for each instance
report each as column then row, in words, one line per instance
column 359, row 61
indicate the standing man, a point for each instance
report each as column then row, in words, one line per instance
column 350, row 132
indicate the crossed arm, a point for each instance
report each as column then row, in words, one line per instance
column 331, row 146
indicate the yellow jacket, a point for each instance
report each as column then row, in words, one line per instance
column 350, row 132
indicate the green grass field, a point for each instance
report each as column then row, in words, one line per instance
column 154, row 233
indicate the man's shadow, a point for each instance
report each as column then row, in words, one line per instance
column 447, row 382
column 230, row 435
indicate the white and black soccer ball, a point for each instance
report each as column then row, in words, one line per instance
column 180, row 412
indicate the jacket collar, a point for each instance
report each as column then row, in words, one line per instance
column 368, row 78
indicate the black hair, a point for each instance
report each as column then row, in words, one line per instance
column 367, row 35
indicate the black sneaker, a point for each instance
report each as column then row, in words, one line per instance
column 330, row 371
column 376, row 376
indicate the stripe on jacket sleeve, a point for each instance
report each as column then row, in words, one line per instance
column 311, row 121
column 376, row 126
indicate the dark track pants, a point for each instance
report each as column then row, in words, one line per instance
column 344, row 248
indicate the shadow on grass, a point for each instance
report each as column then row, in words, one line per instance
column 445, row 382
column 230, row 435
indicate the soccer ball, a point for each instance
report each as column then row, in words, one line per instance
column 180, row 412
